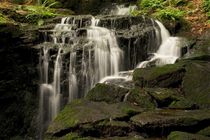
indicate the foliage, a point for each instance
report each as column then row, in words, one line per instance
column 161, row 9
column 206, row 5
column 151, row 4
column 3, row 19
column 49, row 3
column 169, row 14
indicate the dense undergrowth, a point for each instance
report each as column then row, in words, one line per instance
column 162, row 9
column 22, row 12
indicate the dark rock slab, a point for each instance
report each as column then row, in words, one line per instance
column 82, row 115
column 164, row 77
column 162, row 122
column 205, row 131
column 176, row 135
column 107, row 93
column 196, row 83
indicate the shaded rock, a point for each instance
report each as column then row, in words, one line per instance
column 91, row 6
column 183, row 103
column 82, row 116
column 165, row 76
column 164, row 96
column 196, row 83
column 141, row 98
column 107, row 93
column 205, row 131
column 113, row 128
column 176, row 135
column 162, row 122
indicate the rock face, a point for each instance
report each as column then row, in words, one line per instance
column 19, row 81
column 91, row 6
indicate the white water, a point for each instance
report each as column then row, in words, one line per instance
column 123, row 10
column 168, row 52
column 100, row 57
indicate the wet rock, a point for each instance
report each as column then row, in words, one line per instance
column 164, row 77
column 176, row 135
column 162, row 122
column 107, row 93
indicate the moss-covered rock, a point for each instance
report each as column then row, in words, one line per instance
column 205, row 131
column 196, row 83
column 164, row 121
column 183, row 103
column 176, row 135
column 163, row 96
column 83, row 115
column 107, row 93
column 165, row 76
column 141, row 98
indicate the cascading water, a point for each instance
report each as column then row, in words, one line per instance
column 168, row 51
column 95, row 59
column 123, row 10
column 92, row 54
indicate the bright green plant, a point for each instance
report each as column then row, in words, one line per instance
column 3, row 19
column 151, row 4
column 206, row 5
column 169, row 13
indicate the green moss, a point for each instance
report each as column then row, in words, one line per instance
column 196, row 83
column 164, row 77
column 176, row 135
column 141, row 98
column 205, row 131
column 183, row 104
column 107, row 93
column 4, row 19
column 152, row 73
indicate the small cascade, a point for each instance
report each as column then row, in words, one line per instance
column 168, row 52
column 123, row 10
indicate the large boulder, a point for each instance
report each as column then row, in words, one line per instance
column 196, row 83
column 92, row 119
column 107, row 93
column 162, row 122
column 164, row 77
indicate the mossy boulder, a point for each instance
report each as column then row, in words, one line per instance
column 154, row 122
column 82, row 116
column 183, row 103
column 196, row 83
column 176, row 135
column 107, row 93
column 141, row 98
column 205, row 131
column 164, row 96
column 165, row 76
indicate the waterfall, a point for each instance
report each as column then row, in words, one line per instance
column 91, row 58
column 168, row 52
